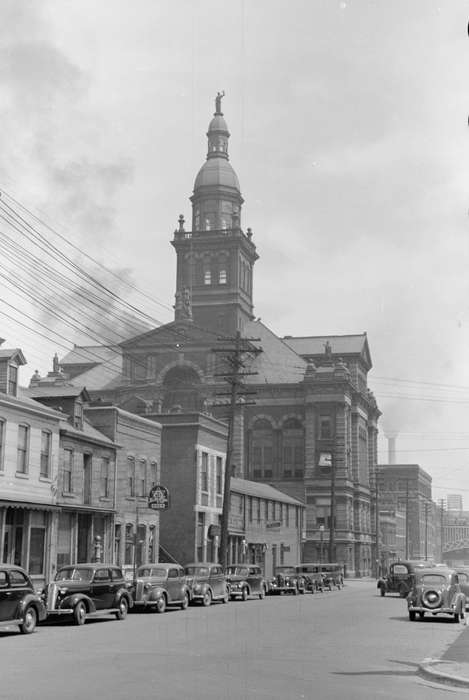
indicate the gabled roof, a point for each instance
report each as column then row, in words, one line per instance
column 341, row 346
column 259, row 490
column 13, row 354
column 60, row 391
column 277, row 363
column 171, row 335
column 88, row 432
column 92, row 355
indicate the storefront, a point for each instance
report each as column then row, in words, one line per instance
column 26, row 537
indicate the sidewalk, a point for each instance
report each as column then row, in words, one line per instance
column 453, row 668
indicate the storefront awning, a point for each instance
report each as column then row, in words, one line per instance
column 28, row 504
column 87, row 509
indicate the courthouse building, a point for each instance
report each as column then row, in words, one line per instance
column 312, row 429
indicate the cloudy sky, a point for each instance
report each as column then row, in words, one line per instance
column 350, row 140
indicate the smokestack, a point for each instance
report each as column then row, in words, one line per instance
column 391, row 437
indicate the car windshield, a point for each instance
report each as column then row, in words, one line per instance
column 237, row 571
column 399, row 569
column 74, row 574
column 433, row 580
column 196, row 571
column 152, row 571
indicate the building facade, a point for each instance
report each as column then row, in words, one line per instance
column 312, row 431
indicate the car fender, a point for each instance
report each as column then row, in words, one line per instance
column 156, row 593
column 123, row 592
column 31, row 599
column 71, row 600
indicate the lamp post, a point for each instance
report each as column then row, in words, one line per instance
column 321, row 535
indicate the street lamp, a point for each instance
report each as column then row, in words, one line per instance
column 321, row 535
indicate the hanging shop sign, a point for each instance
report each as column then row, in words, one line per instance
column 158, row 498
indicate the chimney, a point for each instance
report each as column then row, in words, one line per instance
column 391, row 437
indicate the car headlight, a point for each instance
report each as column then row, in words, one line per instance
column 197, row 588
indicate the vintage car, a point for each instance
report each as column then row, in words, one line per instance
column 333, row 575
column 400, row 577
column 158, row 585
column 19, row 603
column 463, row 576
column 286, row 580
column 436, row 591
column 312, row 575
column 207, row 582
column 88, row 590
column 245, row 580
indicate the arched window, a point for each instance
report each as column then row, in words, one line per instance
column 181, row 390
column 262, row 450
column 292, row 449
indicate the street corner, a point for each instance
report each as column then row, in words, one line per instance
column 445, row 672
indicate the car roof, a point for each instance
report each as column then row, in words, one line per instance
column 88, row 565
column 161, row 565
column 203, row 563
column 13, row 567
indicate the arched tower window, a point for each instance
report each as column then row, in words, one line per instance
column 262, row 450
column 181, row 390
column 292, row 449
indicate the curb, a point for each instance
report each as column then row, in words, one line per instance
column 439, row 672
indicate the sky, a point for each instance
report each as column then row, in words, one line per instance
column 349, row 135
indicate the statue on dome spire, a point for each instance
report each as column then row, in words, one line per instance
column 218, row 100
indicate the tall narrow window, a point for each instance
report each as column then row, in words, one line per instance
column 142, row 477
column 207, row 276
column 153, row 473
column 219, row 476
column 46, row 438
column 131, row 476
column 22, row 449
column 204, row 472
column 68, row 471
column 104, row 477
column 2, row 442
column 78, row 415
column 12, row 380
column 222, row 276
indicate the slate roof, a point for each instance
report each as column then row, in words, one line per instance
column 53, row 391
column 24, row 400
column 92, row 354
column 277, row 363
column 87, row 432
column 259, row 490
column 341, row 345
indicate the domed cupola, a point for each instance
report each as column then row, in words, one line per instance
column 216, row 200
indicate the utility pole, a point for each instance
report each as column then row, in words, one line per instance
column 234, row 377
column 377, row 522
column 442, row 530
column 332, row 523
column 407, row 519
column 426, row 530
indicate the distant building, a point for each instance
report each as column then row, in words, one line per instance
column 454, row 501
column 407, row 488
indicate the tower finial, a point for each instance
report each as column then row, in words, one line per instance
column 218, row 100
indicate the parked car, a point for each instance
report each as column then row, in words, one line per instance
column 19, row 603
column 401, row 577
column 88, row 590
column 286, row 580
column 333, row 575
column 436, row 591
column 159, row 585
column 207, row 582
column 245, row 580
column 311, row 573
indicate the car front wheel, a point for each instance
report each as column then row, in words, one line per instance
column 244, row 594
column 161, row 604
column 185, row 602
column 29, row 620
column 262, row 593
column 226, row 597
column 207, row 599
column 121, row 614
column 79, row 613
column 382, row 591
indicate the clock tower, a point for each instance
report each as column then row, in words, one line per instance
column 215, row 259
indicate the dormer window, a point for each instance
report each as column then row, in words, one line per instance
column 12, row 380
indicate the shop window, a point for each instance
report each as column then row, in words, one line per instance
column 200, row 535
column 36, row 550
column 117, row 544
column 141, row 542
column 151, row 544
column 46, row 439
column 64, row 539
column 22, row 449
column 129, row 544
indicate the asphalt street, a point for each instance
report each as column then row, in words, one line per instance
column 348, row 644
